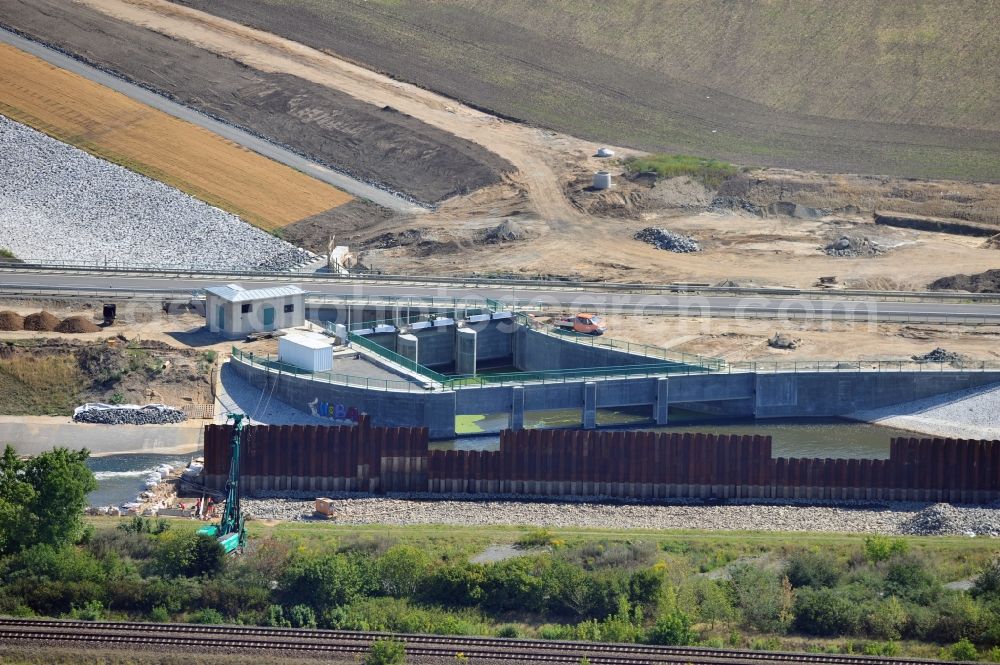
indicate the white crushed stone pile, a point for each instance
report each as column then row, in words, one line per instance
column 885, row 518
column 59, row 203
column 966, row 414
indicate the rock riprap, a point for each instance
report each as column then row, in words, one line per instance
column 668, row 240
column 128, row 414
column 60, row 203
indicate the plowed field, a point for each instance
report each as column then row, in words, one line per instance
column 114, row 127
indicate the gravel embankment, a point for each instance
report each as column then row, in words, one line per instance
column 60, row 203
column 887, row 518
column 967, row 414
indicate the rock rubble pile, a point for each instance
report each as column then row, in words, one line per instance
column 939, row 355
column 853, row 247
column 128, row 414
column 60, row 203
column 485, row 510
column 943, row 519
column 668, row 240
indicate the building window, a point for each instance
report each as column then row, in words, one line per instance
column 247, row 308
column 289, row 309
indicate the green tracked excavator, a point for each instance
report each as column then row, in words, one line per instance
column 230, row 531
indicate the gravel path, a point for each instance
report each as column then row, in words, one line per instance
column 966, row 414
column 59, row 203
column 887, row 518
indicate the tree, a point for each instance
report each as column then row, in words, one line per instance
column 713, row 602
column 761, row 596
column 42, row 498
column 400, row 570
column 386, row 652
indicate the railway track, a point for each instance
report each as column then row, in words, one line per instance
column 332, row 642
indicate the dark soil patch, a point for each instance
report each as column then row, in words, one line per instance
column 11, row 321
column 984, row 282
column 77, row 324
column 41, row 321
column 372, row 144
column 346, row 222
column 557, row 65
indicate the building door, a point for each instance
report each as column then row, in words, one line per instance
column 268, row 316
column 221, row 317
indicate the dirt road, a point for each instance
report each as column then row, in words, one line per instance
column 538, row 155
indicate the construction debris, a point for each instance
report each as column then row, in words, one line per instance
column 853, row 247
column 783, row 341
column 128, row 414
column 668, row 240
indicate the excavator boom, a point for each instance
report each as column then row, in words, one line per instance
column 230, row 531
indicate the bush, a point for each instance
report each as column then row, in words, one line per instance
column 92, row 611
column 401, row 569
column 159, row 614
column 188, row 555
column 509, row 630
column 454, row 585
column 885, row 619
column 988, row 583
column 825, row 612
column 535, row 538
column 323, row 582
column 302, row 616
column 812, row 569
column 908, row 577
column 957, row 616
column 886, row 649
column 671, row 629
column 961, row 650
column 882, row 548
column 274, row 617
column 386, row 652
column 207, row 615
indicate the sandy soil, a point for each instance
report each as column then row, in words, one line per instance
column 746, row 339
column 372, row 143
column 561, row 236
column 739, row 248
column 112, row 126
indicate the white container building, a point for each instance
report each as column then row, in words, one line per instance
column 310, row 352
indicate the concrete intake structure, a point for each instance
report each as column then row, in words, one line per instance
column 638, row 465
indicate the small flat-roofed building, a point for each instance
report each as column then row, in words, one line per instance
column 309, row 351
column 235, row 312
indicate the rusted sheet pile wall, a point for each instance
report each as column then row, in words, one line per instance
column 310, row 458
column 626, row 464
column 589, row 463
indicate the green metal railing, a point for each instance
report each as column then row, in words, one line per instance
column 265, row 361
column 400, row 360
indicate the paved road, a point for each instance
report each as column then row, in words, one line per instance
column 694, row 305
column 245, row 139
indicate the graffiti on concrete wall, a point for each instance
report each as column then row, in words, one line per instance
column 334, row 411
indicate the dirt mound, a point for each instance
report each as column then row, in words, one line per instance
column 11, row 321
column 77, row 324
column 984, row 282
column 41, row 321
